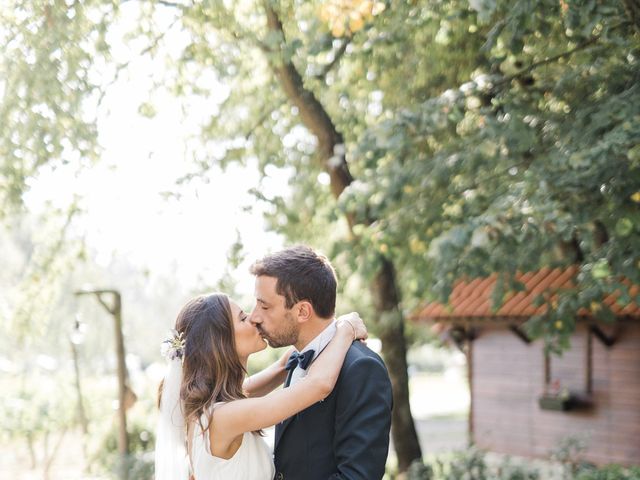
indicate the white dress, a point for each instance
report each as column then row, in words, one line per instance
column 252, row 461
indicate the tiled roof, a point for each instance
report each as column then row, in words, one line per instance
column 472, row 299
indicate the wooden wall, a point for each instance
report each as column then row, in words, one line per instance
column 508, row 377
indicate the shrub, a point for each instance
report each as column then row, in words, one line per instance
column 609, row 472
column 140, row 460
column 472, row 465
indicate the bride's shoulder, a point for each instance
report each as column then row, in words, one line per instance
column 207, row 414
column 215, row 409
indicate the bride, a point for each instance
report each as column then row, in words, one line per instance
column 210, row 415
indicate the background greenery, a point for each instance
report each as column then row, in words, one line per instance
column 423, row 141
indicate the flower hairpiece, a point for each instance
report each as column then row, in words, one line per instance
column 173, row 347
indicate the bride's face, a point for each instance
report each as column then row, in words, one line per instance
column 247, row 337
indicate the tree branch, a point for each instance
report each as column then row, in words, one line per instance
column 164, row 3
column 170, row 4
column 262, row 119
column 226, row 21
column 331, row 153
column 336, row 58
column 107, row 307
column 124, row 65
column 312, row 113
column 546, row 61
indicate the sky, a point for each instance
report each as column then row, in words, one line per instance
column 126, row 212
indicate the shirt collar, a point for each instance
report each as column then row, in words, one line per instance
column 321, row 340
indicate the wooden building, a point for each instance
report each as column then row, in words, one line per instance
column 524, row 402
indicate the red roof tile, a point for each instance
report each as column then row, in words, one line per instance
column 472, row 299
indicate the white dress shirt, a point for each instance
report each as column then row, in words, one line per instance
column 317, row 345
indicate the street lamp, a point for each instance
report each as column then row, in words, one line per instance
column 78, row 331
column 115, row 309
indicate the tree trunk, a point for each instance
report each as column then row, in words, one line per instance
column 391, row 331
column 384, row 289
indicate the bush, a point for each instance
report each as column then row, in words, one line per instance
column 472, row 465
column 468, row 465
column 609, row 472
column 465, row 465
column 140, row 461
column 419, row 471
column 508, row 471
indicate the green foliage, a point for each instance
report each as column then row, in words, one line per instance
column 40, row 257
column 140, row 461
column 472, row 464
column 609, row 472
column 141, row 422
column 419, row 471
column 529, row 163
column 36, row 418
column 47, row 83
column 35, row 413
column 484, row 136
column 569, row 452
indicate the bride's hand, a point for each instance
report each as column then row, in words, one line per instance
column 351, row 322
column 282, row 361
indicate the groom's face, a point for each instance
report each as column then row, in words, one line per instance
column 276, row 323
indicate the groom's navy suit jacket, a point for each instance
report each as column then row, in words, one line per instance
column 345, row 436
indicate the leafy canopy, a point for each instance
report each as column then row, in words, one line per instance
column 484, row 136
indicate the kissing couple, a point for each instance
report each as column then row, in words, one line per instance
column 333, row 415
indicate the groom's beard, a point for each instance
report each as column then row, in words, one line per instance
column 286, row 335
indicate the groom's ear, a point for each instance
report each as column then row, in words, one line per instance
column 305, row 311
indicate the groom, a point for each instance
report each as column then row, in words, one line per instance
column 345, row 436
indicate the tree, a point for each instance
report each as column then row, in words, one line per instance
column 247, row 39
column 531, row 161
column 425, row 142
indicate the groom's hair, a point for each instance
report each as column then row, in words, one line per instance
column 301, row 274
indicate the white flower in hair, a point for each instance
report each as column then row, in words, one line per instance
column 173, row 347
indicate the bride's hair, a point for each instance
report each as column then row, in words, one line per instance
column 211, row 370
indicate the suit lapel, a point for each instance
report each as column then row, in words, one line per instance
column 280, row 428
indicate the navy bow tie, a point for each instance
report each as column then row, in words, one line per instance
column 301, row 359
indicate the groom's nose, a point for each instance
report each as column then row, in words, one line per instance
column 254, row 317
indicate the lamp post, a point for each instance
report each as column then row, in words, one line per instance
column 115, row 309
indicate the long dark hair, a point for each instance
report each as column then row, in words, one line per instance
column 211, row 370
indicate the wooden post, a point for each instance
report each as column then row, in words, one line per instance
column 116, row 311
column 123, row 439
column 82, row 417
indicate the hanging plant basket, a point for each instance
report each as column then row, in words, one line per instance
column 554, row 402
column 562, row 403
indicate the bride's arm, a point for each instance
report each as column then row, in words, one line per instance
column 269, row 379
column 250, row 414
